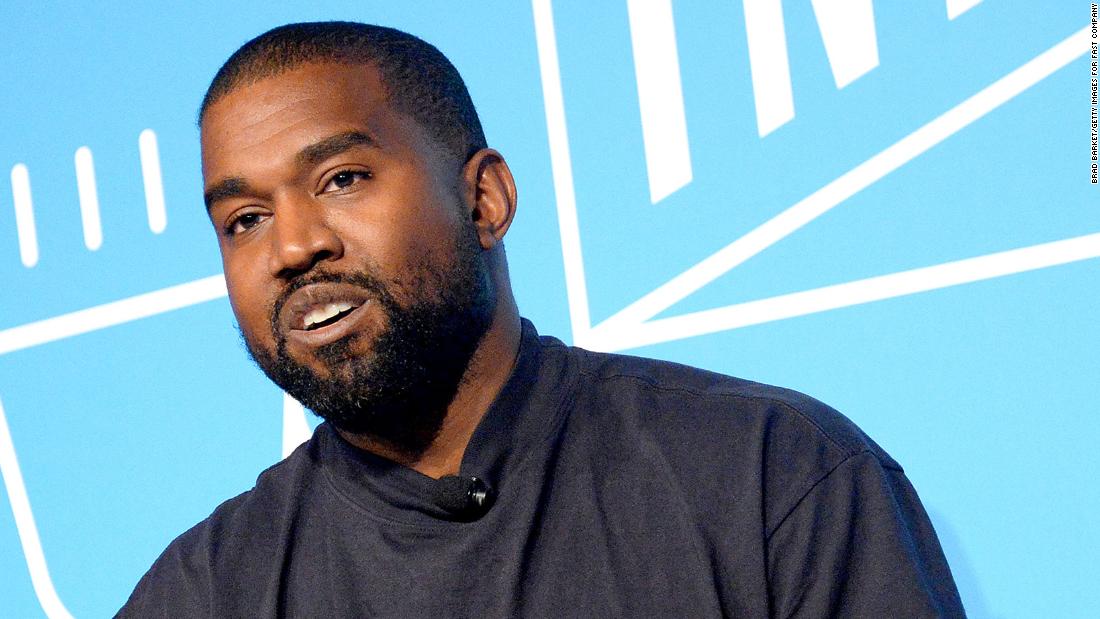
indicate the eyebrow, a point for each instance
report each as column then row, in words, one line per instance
column 228, row 188
column 311, row 155
column 334, row 145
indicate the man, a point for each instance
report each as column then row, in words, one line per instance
column 468, row 467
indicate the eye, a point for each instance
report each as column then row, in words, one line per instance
column 345, row 179
column 242, row 223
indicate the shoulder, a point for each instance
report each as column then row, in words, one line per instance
column 718, row 439
column 677, row 398
column 236, row 533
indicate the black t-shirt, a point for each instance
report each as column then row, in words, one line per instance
column 626, row 487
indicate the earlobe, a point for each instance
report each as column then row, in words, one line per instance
column 493, row 196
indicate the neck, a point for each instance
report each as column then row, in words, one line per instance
column 488, row 371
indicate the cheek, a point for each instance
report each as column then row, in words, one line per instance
column 251, row 306
column 410, row 220
column 385, row 248
column 423, row 233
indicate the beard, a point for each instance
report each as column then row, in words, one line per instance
column 398, row 391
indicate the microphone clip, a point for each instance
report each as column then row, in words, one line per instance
column 465, row 498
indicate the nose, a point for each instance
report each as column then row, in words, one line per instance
column 301, row 239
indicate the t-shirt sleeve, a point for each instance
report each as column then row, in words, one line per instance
column 859, row 544
column 176, row 586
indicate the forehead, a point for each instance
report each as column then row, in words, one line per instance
column 276, row 116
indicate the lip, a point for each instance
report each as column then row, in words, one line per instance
column 305, row 299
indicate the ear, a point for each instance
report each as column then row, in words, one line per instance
column 491, row 195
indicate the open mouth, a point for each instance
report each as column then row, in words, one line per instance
column 323, row 313
column 328, row 314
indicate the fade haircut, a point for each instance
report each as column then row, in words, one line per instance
column 419, row 80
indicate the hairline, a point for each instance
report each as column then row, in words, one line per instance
column 252, row 79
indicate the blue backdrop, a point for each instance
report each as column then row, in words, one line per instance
column 886, row 205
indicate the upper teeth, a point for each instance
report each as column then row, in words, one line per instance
column 325, row 312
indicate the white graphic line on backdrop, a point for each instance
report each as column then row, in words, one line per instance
column 24, row 524
column 561, row 167
column 769, row 65
column 617, row 332
column 152, row 180
column 958, row 7
column 296, row 428
column 867, row 290
column 24, row 215
column 660, row 97
column 111, row 314
column 848, row 31
column 89, row 198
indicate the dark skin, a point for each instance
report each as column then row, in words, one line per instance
column 313, row 170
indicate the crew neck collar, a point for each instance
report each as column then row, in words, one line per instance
column 513, row 432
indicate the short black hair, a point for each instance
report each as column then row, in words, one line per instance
column 419, row 80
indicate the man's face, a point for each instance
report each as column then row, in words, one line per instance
column 353, row 267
